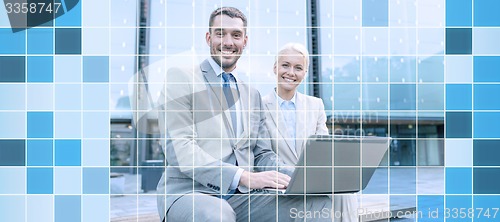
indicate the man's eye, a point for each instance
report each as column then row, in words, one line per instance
column 285, row 65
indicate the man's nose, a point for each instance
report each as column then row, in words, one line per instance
column 227, row 40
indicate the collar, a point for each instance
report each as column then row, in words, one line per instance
column 280, row 100
column 218, row 70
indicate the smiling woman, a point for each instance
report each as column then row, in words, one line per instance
column 291, row 116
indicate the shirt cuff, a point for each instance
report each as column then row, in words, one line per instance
column 236, row 179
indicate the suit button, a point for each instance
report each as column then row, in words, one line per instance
column 234, row 147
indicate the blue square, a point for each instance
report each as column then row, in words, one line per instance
column 489, row 206
column 13, row 208
column 67, row 180
column 68, row 96
column 430, row 207
column 485, row 41
column 67, row 208
column 12, row 152
column 16, row 178
column 375, row 12
column 13, row 97
column 459, row 13
column 68, row 69
column 95, row 152
column 486, row 153
column 483, row 97
column 458, row 124
column 40, row 124
column 73, row 15
column 12, row 42
column 486, row 13
column 68, row 125
column 41, row 41
column 95, row 125
column 40, row 180
column 459, row 41
column 97, row 14
column 40, row 152
column 92, row 39
column 485, row 68
column 483, row 122
column 40, row 97
column 68, row 40
column 40, row 69
column 459, row 96
column 15, row 119
column 68, row 152
column 458, row 202
column 486, row 181
column 13, row 68
column 95, row 208
column 96, row 97
column 458, row 180
column 40, row 208
column 95, row 69
column 459, row 69
column 403, row 96
column 96, row 180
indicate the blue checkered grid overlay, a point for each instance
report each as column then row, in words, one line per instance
column 61, row 84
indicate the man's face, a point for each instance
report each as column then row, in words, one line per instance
column 226, row 39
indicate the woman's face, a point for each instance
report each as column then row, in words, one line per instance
column 290, row 69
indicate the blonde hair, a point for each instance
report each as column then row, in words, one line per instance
column 301, row 49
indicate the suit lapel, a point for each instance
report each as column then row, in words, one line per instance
column 243, row 99
column 215, row 86
column 300, row 127
column 273, row 108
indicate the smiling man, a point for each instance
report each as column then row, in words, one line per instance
column 217, row 152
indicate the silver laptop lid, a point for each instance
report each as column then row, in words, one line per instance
column 354, row 162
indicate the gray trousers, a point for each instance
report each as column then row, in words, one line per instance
column 259, row 206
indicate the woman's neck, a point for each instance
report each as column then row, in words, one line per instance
column 285, row 94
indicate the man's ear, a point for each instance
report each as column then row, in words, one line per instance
column 207, row 38
column 274, row 69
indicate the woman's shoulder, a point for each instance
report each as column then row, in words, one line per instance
column 309, row 99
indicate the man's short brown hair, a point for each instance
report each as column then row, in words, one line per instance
column 229, row 11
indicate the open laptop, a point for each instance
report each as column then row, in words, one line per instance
column 337, row 164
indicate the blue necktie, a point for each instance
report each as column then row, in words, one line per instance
column 228, row 77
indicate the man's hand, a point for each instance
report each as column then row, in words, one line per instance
column 266, row 179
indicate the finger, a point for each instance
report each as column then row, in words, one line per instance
column 285, row 177
column 283, row 181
